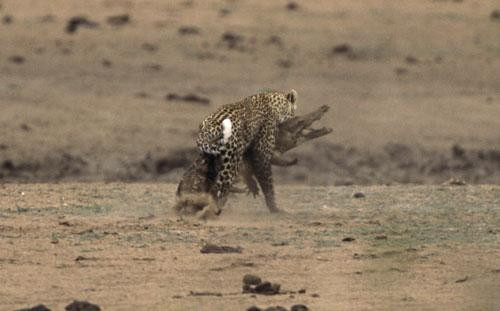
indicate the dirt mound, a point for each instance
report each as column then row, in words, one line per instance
column 327, row 164
column 396, row 163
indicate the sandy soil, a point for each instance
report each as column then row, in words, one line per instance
column 120, row 246
column 94, row 104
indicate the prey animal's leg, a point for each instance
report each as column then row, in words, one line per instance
column 279, row 160
column 248, row 176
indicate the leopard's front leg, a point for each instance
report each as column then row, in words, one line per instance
column 260, row 157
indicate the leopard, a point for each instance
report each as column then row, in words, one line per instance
column 245, row 132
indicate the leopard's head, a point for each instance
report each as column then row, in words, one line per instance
column 288, row 110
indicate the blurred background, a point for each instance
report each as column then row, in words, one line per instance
column 115, row 89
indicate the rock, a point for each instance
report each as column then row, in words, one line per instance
column 17, row 59
column 292, row 6
column 35, row 308
column 149, row 47
column 118, row 20
column 232, row 40
column 188, row 30
column 358, row 195
column 254, row 308
column 7, row 19
column 79, row 21
column 82, row 306
column 342, row 49
column 400, row 71
column 495, row 15
column 348, row 239
column 250, row 279
column 455, row 182
column 192, row 98
column 411, row 60
column 106, row 63
column 284, row 63
column 299, row 307
column 216, row 249
column 267, row 288
column 277, row 308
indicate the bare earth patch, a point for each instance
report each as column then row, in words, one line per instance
column 120, row 246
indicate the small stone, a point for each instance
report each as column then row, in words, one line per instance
column 17, row 59
column 250, row 279
column 267, row 288
column 299, row 307
column 254, row 308
column 7, row 19
column 348, row 239
column 315, row 295
column 342, row 49
column 495, row 15
column 411, row 60
column 358, row 195
column 35, row 308
column 119, row 20
column 82, row 306
column 292, row 6
column 188, row 30
column 302, row 291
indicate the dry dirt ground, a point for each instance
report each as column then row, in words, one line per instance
column 413, row 85
column 120, row 246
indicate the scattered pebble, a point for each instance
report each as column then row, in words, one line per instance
column 118, row 20
column 192, row 293
column 250, row 279
column 25, row 127
column 284, row 63
column 149, row 47
column 411, row 60
column 7, row 19
column 495, row 15
column 79, row 21
column 400, row 71
column 106, row 63
column 224, row 12
column 231, row 39
column 82, row 306
column 275, row 40
column 455, row 182
column 188, row 98
column 17, row 59
column 462, row 279
column 358, row 195
column 188, row 30
column 267, row 288
column 35, row 308
column 292, row 6
column 152, row 67
column 216, row 249
column 299, row 307
column 342, row 49
column 348, row 239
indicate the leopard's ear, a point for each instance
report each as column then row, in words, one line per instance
column 292, row 96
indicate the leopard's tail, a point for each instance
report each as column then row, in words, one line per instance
column 227, row 130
